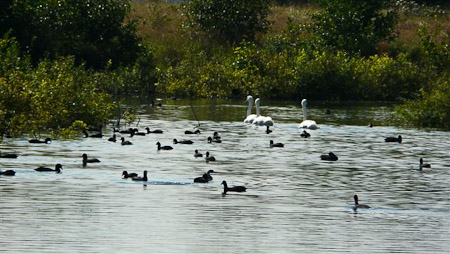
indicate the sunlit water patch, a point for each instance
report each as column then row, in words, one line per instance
column 294, row 203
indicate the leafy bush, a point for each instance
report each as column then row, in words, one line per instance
column 354, row 25
column 55, row 97
column 230, row 20
column 431, row 109
column 94, row 31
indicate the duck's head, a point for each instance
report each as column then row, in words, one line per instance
column 158, row 144
column 209, row 139
column 124, row 173
column 58, row 167
column 122, row 138
column 355, row 197
column 271, row 142
column 84, row 156
column 48, row 140
column 207, row 154
column 210, row 171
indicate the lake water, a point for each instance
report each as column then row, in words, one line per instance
column 295, row 203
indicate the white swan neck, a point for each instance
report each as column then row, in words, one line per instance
column 249, row 108
column 304, row 112
column 258, row 110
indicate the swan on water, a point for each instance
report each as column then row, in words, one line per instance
column 250, row 116
column 261, row 120
column 308, row 124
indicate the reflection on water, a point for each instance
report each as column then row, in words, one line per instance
column 295, row 202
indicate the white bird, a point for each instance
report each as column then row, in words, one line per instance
column 261, row 120
column 308, row 124
column 250, row 116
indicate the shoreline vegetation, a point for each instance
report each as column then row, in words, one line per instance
column 65, row 66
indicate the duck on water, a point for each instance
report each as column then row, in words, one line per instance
column 232, row 189
column 58, row 168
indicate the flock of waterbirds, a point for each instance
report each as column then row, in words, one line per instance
column 254, row 119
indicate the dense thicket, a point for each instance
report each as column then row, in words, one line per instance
column 56, row 96
column 354, row 26
column 93, row 31
column 229, row 20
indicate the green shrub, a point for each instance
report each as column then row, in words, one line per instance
column 55, row 97
column 431, row 109
column 229, row 20
column 94, row 31
column 354, row 26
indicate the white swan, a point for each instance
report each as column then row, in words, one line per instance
column 261, row 120
column 308, row 124
column 250, row 116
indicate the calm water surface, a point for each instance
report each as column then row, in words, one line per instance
column 295, row 203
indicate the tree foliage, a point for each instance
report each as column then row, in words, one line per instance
column 56, row 96
column 354, row 25
column 94, row 31
column 230, row 20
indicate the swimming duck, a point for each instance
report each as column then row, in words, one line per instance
column 98, row 135
column 394, row 139
column 192, row 132
column 37, row 141
column 197, row 154
column 216, row 135
column 125, row 143
column 125, row 174
column 8, row 173
column 422, row 165
column 163, row 147
column 155, row 131
column 370, row 125
column 122, row 131
column 329, row 157
column 206, row 177
column 86, row 160
column 143, row 179
column 358, row 205
column 113, row 138
column 234, row 188
column 305, row 134
column 186, row 142
column 135, row 132
column 8, row 155
column 210, row 140
column 201, row 179
column 57, row 169
column 276, row 144
column 209, row 158
column 268, row 130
